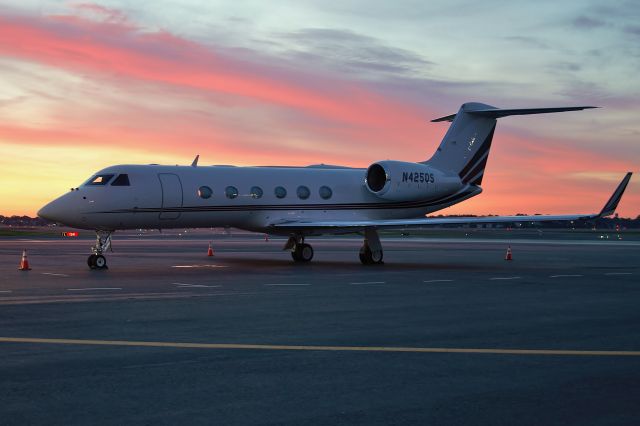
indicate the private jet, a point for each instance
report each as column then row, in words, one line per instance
column 300, row 202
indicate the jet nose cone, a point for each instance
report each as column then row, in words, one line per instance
column 50, row 212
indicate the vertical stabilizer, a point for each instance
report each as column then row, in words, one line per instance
column 464, row 150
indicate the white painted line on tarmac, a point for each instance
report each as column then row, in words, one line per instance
column 94, row 288
column 274, row 285
column 368, row 282
column 199, row 266
column 565, row 276
column 437, row 281
column 619, row 273
column 54, row 275
column 390, row 349
column 187, row 285
column 5, row 291
column 505, row 278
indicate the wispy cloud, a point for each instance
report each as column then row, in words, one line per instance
column 351, row 52
column 588, row 23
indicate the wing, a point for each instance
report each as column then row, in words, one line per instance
column 354, row 225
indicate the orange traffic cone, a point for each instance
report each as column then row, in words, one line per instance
column 24, row 263
column 266, row 237
column 508, row 256
column 210, row 251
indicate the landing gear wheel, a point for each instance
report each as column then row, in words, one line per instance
column 97, row 261
column 306, row 253
column 376, row 257
column 302, row 253
column 101, row 262
column 368, row 257
column 296, row 256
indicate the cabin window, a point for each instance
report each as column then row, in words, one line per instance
column 303, row 192
column 99, row 180
column 121, row 180
column 280, row 192
column 231, row 192
column 256, row 192
column 205, row 192
column 325, row 192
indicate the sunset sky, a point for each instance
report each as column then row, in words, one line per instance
column 87, row 85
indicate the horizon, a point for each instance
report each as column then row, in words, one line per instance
column 613, row 217
column 88, row 85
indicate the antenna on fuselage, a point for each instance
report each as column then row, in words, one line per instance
column 195, row 161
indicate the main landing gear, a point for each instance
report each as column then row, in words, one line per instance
column 371, row 250
column 300, row 251
column 103, row 243
column 370, row 253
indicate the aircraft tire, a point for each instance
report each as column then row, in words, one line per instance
column 99, row 262
column 91, row 261
column 306, row 253
column 302, row 253
column 367, row 256
column 376, row 257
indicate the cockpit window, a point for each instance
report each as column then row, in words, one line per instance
column 121, row 180
column 99, row 180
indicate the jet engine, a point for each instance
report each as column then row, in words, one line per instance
column 403, row 181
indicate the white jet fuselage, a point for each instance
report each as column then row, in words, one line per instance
column 173, row 196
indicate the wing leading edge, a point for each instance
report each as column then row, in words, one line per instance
column 607, row 210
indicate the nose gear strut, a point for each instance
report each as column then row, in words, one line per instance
column 103, row 243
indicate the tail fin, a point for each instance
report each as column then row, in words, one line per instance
column 464, row 150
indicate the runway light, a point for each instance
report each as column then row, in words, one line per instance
column 70, row 234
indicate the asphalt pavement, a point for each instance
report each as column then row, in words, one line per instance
column 445, row 332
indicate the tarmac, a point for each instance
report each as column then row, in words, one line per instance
column 445, row 332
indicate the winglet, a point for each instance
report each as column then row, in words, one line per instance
column 195, row 161
column 612, row 204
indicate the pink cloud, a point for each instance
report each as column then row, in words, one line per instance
column 116, row 47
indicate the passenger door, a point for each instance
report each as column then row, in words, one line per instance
column 171, row 196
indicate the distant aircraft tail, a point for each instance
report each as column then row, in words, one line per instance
column 464, row 150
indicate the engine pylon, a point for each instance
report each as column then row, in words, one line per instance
column 509, row 255
column 24, row 262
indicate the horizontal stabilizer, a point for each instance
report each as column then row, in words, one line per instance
column 498, row 113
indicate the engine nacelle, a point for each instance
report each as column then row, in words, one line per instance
column 403, row 181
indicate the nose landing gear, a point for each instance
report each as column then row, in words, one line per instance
column 103, row 243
